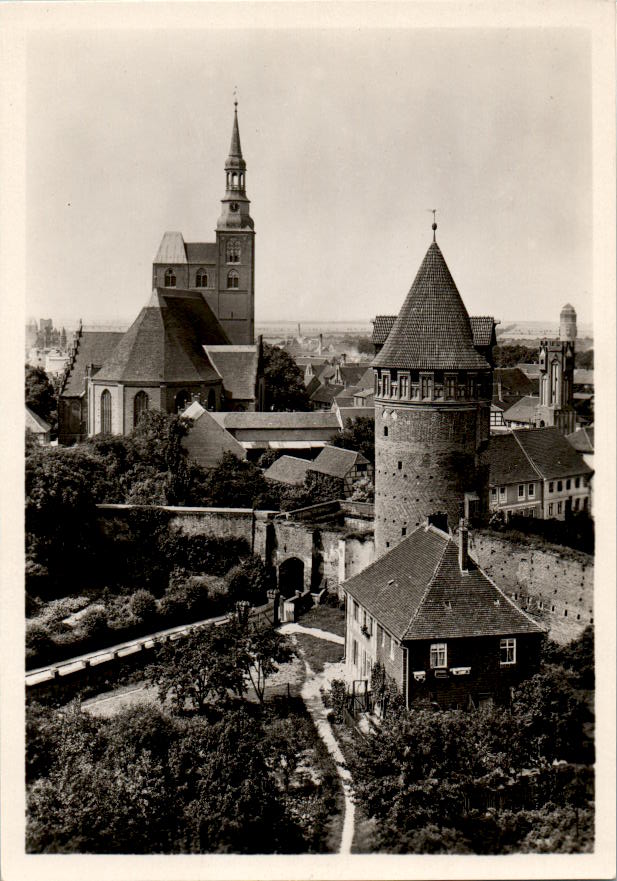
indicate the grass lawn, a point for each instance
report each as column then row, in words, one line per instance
column 324, row 618
column 318, row 652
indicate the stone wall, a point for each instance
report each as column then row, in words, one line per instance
column 553, row 584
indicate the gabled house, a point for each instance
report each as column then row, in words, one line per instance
column 536, row 473
column 38, row 426
column 441, row 628
column 348, row 465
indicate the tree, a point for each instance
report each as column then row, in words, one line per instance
column 249, row 581
column 511, row 355
column 323, row 487
column 258, row 652
column 285, row 389
column 198, row 669
column 143, row 605
column 584, row 360
column 235, row 483
column 358, row 435
column 40, row 395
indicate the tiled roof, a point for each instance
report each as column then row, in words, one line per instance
column 201, row 252
column 313, row 385
column 279, row 420
column 326, row 394
column 35, row 423
column 583, row 377
column 344, row 398
column 171, row 249
column 507, row 463
column 551, row 453
column 337, row 462
column 582, row 440
column 382, row 326
column 513, row 382
column 93, row 347
column 353, row 373
column 364, row 393
column 353, row 413
column 417, row 591
column 432, row 330
column 288, row 469
column 524, row 410
column 481, row 329
column 166, row 341
column 237, row 365
column 326, row 371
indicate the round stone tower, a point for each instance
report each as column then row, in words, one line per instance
column 567, row 323
column 432, row 410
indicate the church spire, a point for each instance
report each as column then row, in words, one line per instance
column 235, row 204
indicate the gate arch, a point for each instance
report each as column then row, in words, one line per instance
column 291, row 576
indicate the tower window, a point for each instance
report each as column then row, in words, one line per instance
column 425, row 387
column 232, row 279
column 140, row 405
column 400, row 465
column 201, row 279
column 385, row 431
column 106, row 412
column 170, row 278
column 404, row 386
column 233, row 251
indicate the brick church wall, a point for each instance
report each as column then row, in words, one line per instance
column 554, row 585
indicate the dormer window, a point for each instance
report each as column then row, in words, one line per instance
column 170, row 278
column 233, row 251
column 201, row 279
column 232, row 279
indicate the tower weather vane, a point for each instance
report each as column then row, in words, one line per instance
column 434, row 226
column 235, row 96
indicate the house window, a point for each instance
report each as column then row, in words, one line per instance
column 140, row 405
column 201, row 279
column 575, row 505
column 507, row 652
column 400, row 466
column 233, row 252
column 355, row 652
column 559, row 486
column 232, row 279
column 577, row 482
column 106, row 412
column 568, row 483
column 493, row 492
column 439, row 655
column 551, row 486
column 170, row 278
column 559, row 507
column 356, row 609
column 550, row 510
column 531, row 490
column 502, row 493
column 585, row 503
column 521, row 490
column 404, row 386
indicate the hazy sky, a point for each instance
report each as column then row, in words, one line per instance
column 349, row 136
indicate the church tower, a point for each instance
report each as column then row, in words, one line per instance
column 557, row 376
column 235, row 240
column 432, row 410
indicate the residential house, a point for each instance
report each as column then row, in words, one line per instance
column 440, row 627
column 521, row 414
column 290, row 470
column 241, row 370
column 536, row 473
column 348, row 465
column 38, row 426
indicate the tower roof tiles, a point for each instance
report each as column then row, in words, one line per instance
column 432, row 330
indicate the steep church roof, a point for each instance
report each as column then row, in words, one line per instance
column 432, row 330
column 91, row 348
column 166, row 341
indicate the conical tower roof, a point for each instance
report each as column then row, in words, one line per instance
column 234, row 159
column 432, row 331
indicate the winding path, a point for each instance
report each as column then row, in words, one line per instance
column 311, row 696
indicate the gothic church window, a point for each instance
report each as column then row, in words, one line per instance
column 170, row 278
column 201, row 279
column 106, row 412
column 233, row 251
column 232, row 279
column 140, row 405
column 182, row 400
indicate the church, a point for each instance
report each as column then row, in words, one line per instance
column 192, row 341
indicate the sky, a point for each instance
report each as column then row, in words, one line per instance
column 350, row 138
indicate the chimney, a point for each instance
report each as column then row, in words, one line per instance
column 499, row 398
column 320, row 347
column 463, row 540
column 343, row 357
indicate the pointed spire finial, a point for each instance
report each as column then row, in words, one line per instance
column 434, row 224
column 236, row 99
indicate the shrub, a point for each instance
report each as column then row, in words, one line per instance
column 143, row 605
column 249, row 581
column 186, row 596
column 338, row 699
column 93, row 624
column 39, row 641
